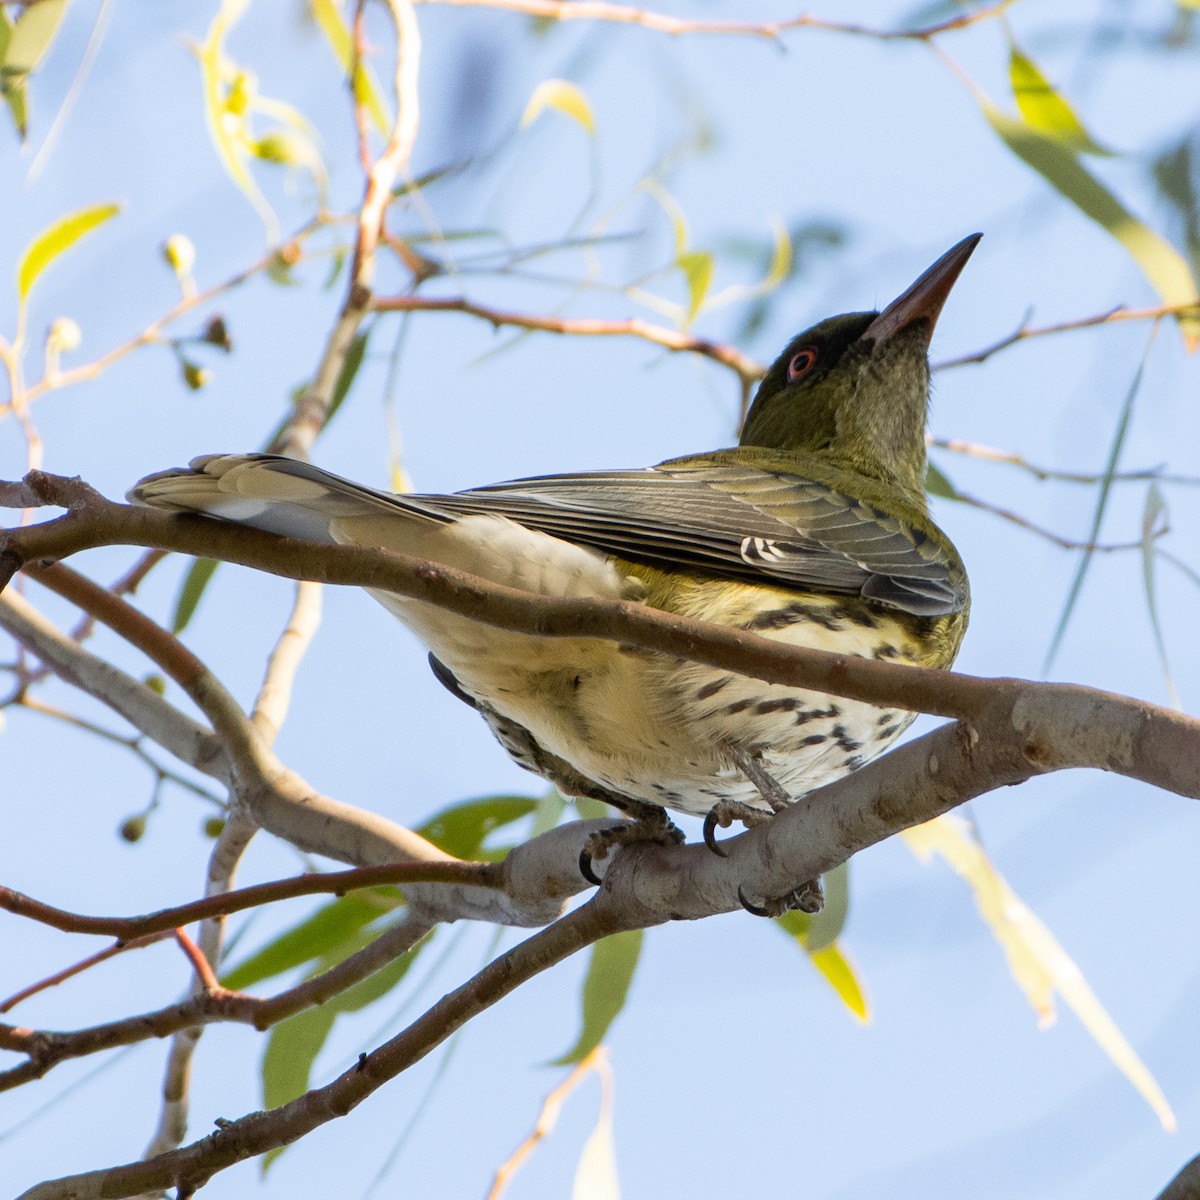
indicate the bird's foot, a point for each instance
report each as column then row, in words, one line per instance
column 723, row 814
column 769, row 788
column 807, row 898
column 649, row 823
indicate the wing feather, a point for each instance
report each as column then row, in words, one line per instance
column 733, row 520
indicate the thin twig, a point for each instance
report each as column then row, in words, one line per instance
column 337, row 883
column 78, row 968
column 1011, row 458
column 200, row 964
column 1112, row 316
column 746, row 368
column 312, row 405
column 543, row 1127
column 599, row 10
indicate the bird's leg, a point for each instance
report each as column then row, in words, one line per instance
column 808, row 897
column 647, row 822
column 725, row 812
column 769, row 788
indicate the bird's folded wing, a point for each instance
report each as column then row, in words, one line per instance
column 736, row 521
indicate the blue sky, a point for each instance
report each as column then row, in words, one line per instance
column 737, row 1071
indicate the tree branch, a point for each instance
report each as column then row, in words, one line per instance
column 744, row 367
column 599, row 10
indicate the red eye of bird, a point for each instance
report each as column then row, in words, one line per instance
column 802, row 362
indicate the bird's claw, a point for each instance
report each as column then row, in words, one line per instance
column 654, row 827
column 723, row 814
column 807, row 898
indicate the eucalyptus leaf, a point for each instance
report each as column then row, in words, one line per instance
column 563, row 96
column 366, row 89
column 32, row 35
column 1161, row 263
column 461, row 829
column 293, row 1045
column 1044, row 108
column 319, row 935
column 610, row 972
column 56, row 240
column 191, row 590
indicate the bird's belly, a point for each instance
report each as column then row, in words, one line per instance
column 664, row 730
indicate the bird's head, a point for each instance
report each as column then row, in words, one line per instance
column 855, row 388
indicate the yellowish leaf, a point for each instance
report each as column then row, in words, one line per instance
column 831, row 961
column 1161, row 263
column 568, row 98
column 1040, row 965
column 227, row 120
column 674, row 212
column 1044, row 108
column 366, row 90
column 778, row 270
column 697, row 268
column 55, row 240
column 840, row 974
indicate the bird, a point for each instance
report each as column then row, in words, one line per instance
column 813, row 531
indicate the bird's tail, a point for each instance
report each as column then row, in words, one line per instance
column 270, row 492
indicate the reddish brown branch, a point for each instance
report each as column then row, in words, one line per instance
column 200, row 964
column 45, row 1049
column 661, row 335
column 475, row 874
column 78, row 968
column 191, row 1166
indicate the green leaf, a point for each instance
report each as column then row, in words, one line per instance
column 31, row 36
column 318, row 935
column 190, row 592
column 461, row 829
column 1045, row 109
column 12, row 86
column 827, row 925
column 564, row 96
column 1154, row 518
column 55, row 240
column 1175, row 172
column 697, row 268
column 292, row 1048
column 18, row 104
column 366, row 90
column 336, row 266
column 1161, row 263
column 293, row 1045
column 938, row 484
column 350, row 364
column 1105, row 487
column 426, row 179
column 605, row 988
column 549, row 812
column 590, row 809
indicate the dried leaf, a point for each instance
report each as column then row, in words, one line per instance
column 1041, row 967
